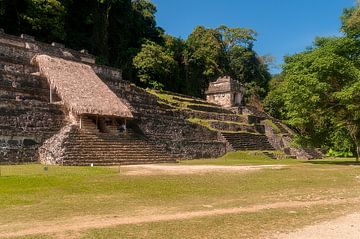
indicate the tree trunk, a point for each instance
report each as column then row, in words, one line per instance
column 357, row 152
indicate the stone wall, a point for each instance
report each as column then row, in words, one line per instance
column 224, row 99
column 24, row 49
column 26, row 117
column 166, row 126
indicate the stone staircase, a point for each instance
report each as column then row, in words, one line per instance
column 247, row 141
column 88, row 146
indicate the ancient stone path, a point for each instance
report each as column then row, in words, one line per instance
column 77, row 224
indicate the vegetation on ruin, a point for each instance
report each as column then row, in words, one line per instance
column 32, row 197
column 181, row 102
column 207, row 124
column 269, row 122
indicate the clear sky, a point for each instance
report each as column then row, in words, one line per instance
column 283, row 26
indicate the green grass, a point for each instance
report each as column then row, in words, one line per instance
column 242, row 158
column 253, row 225
column 30, row 194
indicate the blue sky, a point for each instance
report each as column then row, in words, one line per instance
column 283, row 26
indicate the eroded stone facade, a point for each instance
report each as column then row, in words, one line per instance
column 226, row 92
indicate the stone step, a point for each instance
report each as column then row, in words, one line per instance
column 115, row 156
column 246, row 141
column 112, row 159
column 128, row 148
column 101, row 163
column 85, row 142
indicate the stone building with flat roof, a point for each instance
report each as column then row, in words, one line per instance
column 226, row 92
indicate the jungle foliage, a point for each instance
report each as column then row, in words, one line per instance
column 124, row 34
column 318, row 92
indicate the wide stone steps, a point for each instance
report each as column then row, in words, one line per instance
column 108, row 156
column 109, row 163
column 92, row 157
column 88, row 146
column 246, row 141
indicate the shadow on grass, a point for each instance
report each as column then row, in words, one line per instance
column 334, row 162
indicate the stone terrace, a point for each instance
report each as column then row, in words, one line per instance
column 166, row 126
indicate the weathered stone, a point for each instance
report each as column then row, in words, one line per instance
column 12, row 142
column 27, row 37
column 59, row 45
column 225, row 92
column 27, row 119
column 29, row 142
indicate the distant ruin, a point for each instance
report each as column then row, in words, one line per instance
column 104, row 120
column 225, row 92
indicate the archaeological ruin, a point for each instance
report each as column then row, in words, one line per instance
column 59, row 107
column 225, row 92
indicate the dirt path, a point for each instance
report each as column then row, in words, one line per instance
column 154, row 169
column 346, row 227
column 91, row 222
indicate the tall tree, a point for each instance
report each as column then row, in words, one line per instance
column 41, row 18
column 320, row 92
column 10, row 15
column 155, row 65
column 351, row 21
column 205, row 59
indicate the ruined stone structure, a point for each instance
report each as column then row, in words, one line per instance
column 226, row 92
column 41, row 121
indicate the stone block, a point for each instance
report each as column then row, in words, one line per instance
column 27, row 37
column 29, row 142
column 59, row 45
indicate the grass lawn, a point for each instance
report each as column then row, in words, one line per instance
column 32, row 198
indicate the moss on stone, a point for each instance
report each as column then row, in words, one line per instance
column 272, row 125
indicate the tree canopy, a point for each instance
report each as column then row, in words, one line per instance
column 318, row 91
column 124, row 34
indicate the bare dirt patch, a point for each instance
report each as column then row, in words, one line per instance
column 83, row 223
column 189, row 169
column 345, row 227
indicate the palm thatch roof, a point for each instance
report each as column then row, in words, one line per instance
column 81, row 90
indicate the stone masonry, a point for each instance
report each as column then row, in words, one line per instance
column 161, row 131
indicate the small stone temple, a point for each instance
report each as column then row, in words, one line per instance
column 226, row 92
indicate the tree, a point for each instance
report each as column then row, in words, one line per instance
column 176, row 47
column 250, row 69
column 351, row 21
column 237, row 37
column 10, row 11
column 154, row 64
column 205, row 59
column 320, row 91
column 242, row 61
column 274, row 100
column 41, row 18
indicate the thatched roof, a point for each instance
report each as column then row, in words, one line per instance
column 81, row 90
